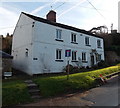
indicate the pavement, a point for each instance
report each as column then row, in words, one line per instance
column 106, row 95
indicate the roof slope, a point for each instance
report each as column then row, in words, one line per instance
column 60, row 25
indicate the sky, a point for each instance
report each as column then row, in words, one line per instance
column 83, row 14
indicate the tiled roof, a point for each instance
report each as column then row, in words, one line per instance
column 5, row 55
column 60, row 25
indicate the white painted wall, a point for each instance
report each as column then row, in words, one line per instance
column 41, row 43
column 22, row 39
column 45, row 47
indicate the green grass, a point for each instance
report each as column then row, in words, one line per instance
column 14, row 92
column 51, row 86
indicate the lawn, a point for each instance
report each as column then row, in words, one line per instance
column 52, row 86
column 14, row 92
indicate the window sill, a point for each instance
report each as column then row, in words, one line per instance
column 74, row 42
column 60, row 40
column 88, row 45
column 74, row 61
column 85, row 61
column 59, row 60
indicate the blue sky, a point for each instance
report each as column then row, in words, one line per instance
column 77, row 13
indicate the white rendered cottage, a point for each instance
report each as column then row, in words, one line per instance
column 39, row 45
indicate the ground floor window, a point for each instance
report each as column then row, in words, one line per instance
column 74, row 54
column 83, row 56
column 99, row 57
column 59, row 54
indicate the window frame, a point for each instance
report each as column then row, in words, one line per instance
column 74, row 38
column 84, row 57
column 87, row 41
column 99, row 43
column 59, row 55
column 99, row 57
column 74, row 56
column 59, row 35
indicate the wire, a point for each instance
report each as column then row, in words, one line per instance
column 95, row 8
column 56, row 7
column 78, row 3
column 60, row 5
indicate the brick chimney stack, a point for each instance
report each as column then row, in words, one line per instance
column 51, row 16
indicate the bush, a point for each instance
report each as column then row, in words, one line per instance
column 102, row 63
column 95, row 66
column 70, row 68
column 75, row 70
column 87, row 67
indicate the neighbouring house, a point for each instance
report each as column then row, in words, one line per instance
column 39, row 45
column 6, row 62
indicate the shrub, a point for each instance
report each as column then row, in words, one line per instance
column 75, row 70
column 95, row 66
column 87, row 67
column 70, row 68
column 102, row 63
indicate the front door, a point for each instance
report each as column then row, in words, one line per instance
column 92, row 60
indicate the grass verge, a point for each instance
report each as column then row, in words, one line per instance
column 14, row 92
column 51, row 86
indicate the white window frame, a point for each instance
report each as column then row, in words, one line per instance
column 74, row 55
column 84, row 56
column 58, row 34
column 73, row 38
column 99, row 57
column 87, row 41
column 58, row 54
column 99, row 43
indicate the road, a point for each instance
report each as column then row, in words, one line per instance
column 106, row 95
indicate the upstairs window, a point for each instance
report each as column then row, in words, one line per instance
column 84, row 56
column 58, row 34
column 98, row 43
column 58, row 54
column 73, row 38
column 87, row 41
